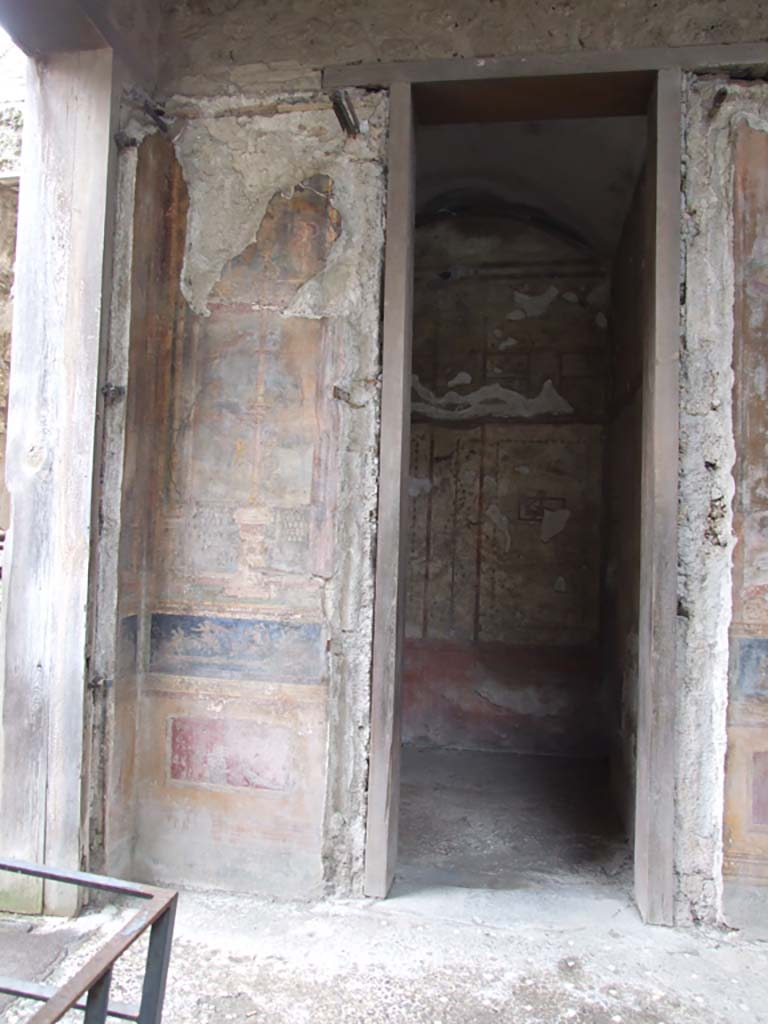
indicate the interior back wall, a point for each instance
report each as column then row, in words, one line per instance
column 510, row 357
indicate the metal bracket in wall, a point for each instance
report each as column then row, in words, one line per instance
column 155, row 111
column 111, row 392
column 345, row 112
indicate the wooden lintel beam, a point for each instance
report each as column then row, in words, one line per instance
column 42, row 28
column 532, row 65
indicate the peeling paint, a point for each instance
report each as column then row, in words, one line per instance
column 417, row 486
column 501, row 522
column 489, row 400
column 461, row 378
column 536, row 305
column 554, row 522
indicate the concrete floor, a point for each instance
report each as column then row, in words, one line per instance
column 31, row 949
column 508, row 821
column 446, row 955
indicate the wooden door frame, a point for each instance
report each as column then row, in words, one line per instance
column 654, row 832
column 394, row 446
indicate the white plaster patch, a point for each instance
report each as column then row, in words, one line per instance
column 489, row 400
column 601, row 320
column 536, row 305
column 461, row 378
column 501, row 522
column 560, row 586
column 554, row 522
column 570, row 296
column 508, row 343
column 516, row 314
column 418, row 485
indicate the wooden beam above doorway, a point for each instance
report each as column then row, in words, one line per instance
column 486, row 101
column 750, row 56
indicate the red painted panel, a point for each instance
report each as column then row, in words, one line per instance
column 240, row 753
column 494, row 696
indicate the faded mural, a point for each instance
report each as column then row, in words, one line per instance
column 511, row 349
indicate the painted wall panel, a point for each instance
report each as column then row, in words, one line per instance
column 746, row 790
column 250, row 399
column 509, row 396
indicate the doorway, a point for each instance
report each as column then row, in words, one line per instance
column 524, row 646
column 520, row 663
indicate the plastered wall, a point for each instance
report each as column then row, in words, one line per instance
column 509, row 397
column 249, row 491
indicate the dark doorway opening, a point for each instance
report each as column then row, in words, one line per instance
column 520, row 670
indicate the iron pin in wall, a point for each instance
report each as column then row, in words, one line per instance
column 345, row 112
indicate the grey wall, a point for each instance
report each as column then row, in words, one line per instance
column 206, row 43
column 582, row 171
column 623, row 465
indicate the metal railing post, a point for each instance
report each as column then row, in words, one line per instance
column 88, row 988
column 158, row 956
column 98, row 1000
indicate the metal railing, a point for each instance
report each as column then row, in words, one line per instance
column 88, row 989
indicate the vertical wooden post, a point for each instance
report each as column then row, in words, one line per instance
column 63, row 230
column 655, row 795
column 391, row 545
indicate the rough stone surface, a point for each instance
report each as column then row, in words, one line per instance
column 223, row 41
column 12, row 85
column 705, row 540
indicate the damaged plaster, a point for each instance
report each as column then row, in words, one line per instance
column 489, row 400
column 233, row 166
column 233, row 173
column 12, row 86
column 707, row 456
column 276, row 331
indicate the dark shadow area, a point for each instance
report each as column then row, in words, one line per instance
column 507, row 821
